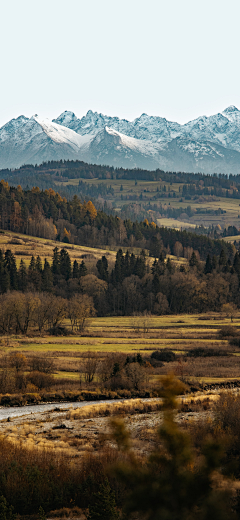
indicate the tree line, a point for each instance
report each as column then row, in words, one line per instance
column 131, row 285
column 68, row 169
column 48, row 215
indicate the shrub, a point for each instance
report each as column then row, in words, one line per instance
column 163, row 355
column 6, row 511
column 41, row 364
column 227, row 412
column 227, row 331
column 235, row 342
column 40, row 380
column 206, row 352
column 59, row 331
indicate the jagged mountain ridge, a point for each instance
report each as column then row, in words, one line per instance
column 207, row 144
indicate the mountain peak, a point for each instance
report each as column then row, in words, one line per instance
column 230, row 109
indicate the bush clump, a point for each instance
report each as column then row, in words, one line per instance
column 227, row 331
column 206, row 352
column 235, row 342
column 40, row 380
column 166, row 356
column 59, row 331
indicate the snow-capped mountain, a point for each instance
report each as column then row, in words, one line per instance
column 207, row 144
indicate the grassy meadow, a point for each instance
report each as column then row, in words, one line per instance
column 126, row 336
column 128, row 192
column 24, row 246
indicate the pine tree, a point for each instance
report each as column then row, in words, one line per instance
column 47, row 277
column 193, row 260
column 56, row 262
column 39, row 264
column 75, row 272
column 127, row 270
column 214, row 262
column 222, row 258
column 156, row 284
column 22, row 276
column 104, row 505
column 32, row 265
column 65, row 264
column 10, row 264
column 170, row 266
column 140, row 267
column 4, row 280
column 208, row 265
column 82, row 269
column 119, row 267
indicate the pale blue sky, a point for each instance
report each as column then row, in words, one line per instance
column 174, row 58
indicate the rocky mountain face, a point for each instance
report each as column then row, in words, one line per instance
column 206, row 144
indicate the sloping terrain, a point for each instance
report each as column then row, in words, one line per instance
column 207, row 144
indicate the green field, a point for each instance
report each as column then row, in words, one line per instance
column 114, row 335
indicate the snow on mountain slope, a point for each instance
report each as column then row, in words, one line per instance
column 112, row 147
column 34, row 141
column 11, row 128
column 144, row 127
column 184, row 154
column 61, row 134
column 222, row 128
column 208, row 144
column 92, row 122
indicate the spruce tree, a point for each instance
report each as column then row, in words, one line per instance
column 75, row 272
column 47, row 277
column 39, row 264
column 22, row 276
column 4, row 280
column 103, row 506
column 10, row 264
column 65, row 264
column 82, row 269
column 56, row 264
column 193, row 262
column 222, row 258
column 208, row 265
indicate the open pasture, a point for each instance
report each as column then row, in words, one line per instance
column 24, row 246
column 126, row 336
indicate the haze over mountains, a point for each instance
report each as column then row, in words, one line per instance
column 206, row 144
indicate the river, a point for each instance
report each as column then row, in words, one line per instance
column 18, row 411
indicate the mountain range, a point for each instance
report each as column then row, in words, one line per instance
column 206, row 144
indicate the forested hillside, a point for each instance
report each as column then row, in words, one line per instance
column 60, row 171
column 210, row 202
column 131, row 285
column 46, row 214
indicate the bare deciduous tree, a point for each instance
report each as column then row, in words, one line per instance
column 89, row 366
column 80, row 310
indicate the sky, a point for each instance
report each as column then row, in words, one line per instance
column 177, row 59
